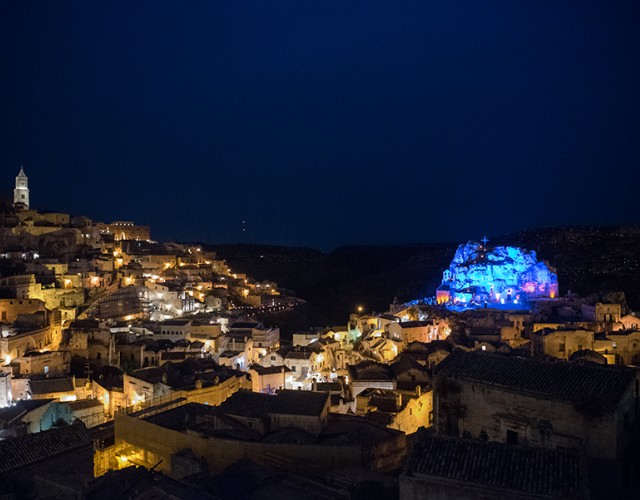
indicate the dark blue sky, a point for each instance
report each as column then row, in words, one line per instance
column 325, row 123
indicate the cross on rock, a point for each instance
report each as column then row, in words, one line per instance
column 484, row 240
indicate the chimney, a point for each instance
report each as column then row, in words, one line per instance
column 198, row 384
column 164, row 378
column 398, row 400
column 418, row 390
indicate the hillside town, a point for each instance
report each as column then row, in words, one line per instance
column 131, row 364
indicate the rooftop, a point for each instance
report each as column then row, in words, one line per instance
column 535, row 471
column 415, row 324
column 269, row 370
column 83, row 404
column 24, row 451
column 559, row 380
column 251, row 404
column 177, row 322
column 370, row 370
column 52, row 385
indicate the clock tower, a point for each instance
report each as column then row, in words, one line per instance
column 21, row 192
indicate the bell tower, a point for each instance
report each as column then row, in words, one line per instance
column 21, row 192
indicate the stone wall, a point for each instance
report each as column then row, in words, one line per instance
column 502, row 415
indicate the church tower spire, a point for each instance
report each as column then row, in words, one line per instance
column 21, row 192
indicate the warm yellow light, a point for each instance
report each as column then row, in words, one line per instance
column 7, row 359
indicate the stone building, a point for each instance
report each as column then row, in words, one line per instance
column 125, row 230
column 625, row 346
column 418, row 331
column 562, row 342
column 369, row 374
column 56, row 452
column 289, row 429
column 524, row 401
column 10, row 309
column 406, row 411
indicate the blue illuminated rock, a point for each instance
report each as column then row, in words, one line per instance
column 501, row 274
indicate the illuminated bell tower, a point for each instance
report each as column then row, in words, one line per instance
column 21, row 192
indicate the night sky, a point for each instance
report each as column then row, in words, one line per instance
column 324, row 123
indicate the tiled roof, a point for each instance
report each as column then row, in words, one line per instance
column 536, row 471
column 22, row 452
column 16, row 412
column 299, row 355
column 403, row 364
column 328, row 387
column 176, row 322
column 245, row 325
column 415, row 324
column 560, row 380
column 52, row 385
column 389, row 317
column 83, row 404
column 251, row 404
column 152, row 375
column 269, row 370
column 370, row 370
column 623, row 332
column 11, row 414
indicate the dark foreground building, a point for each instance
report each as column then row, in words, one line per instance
column 557, row 405
column 56, row 452
column 442, row 468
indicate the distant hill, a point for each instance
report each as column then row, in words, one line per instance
column 588, row 260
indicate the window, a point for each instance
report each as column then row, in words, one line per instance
column 46, row 370
column 561, row 347
column 614, row 344
column 293, row 368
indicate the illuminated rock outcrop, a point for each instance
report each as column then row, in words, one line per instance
column 478, row 274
